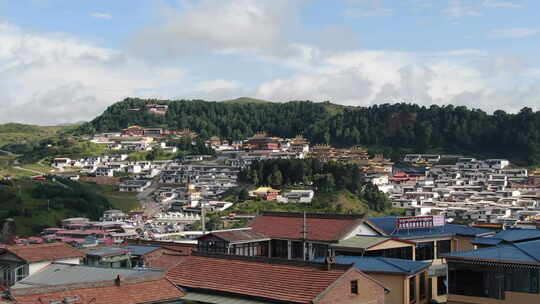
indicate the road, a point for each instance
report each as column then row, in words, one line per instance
column 148, row 203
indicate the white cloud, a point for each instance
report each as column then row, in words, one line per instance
column 515, row 33
column 368, row 8
column 53, row 78
column 225, row 27
column 458, row 9
column 98, row 15
column 501, row 4
column 374, row 77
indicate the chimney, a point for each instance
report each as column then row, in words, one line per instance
column 329, row 261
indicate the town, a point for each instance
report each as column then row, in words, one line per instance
column 453, row 210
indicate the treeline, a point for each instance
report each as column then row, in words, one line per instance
column 327, row 177
column 37, row 205
column 396, row 126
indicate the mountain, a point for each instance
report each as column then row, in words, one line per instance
column 243, row 100
column 389, row 128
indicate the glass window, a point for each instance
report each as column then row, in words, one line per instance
column 443, row 247
column 354, row 287
column 424, row 251
column 422, row 286
column 441, row 285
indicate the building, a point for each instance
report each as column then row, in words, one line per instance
column 265, row 193
column 299, row 145
column 261, row 141
column 510, row 235
column 407, row 280
column 61, row 283
column 498, row 274
column 112, row 257
column 20, row 261
column 244, row 242
column 134, row 185
column 297, row 196
column 234, row 279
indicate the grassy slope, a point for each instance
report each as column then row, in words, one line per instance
column 339, row 202
column 242, row 100
column 19, row 133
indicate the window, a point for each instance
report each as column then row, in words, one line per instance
column 21, row 272
column 354, row 287
column 443, row 247
column 424, row 251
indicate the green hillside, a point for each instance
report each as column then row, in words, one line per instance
column 392, row 128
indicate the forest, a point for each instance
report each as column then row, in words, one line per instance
column 394, row 127
column 326, row 178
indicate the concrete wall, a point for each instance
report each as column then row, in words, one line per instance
column 396, row 284
column 369, row 292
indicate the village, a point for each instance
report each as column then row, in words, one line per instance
column 453, row 208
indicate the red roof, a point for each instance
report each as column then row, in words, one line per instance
column 166, row 261
column 320, row 227
column 275, row 280
column 136, row 293
column 44, row 252
column 238, row 235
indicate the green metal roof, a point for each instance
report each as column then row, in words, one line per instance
column 360, row 242
column 218, row 299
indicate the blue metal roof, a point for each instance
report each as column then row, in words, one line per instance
column 141, row 249
column 388, row 223
column 490, row 241
column 108, row 251
column 525, row 252
column 513, row 235
column 381, row 264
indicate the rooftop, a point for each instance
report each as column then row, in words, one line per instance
column 363, row 241
column 320, row 227
column 278, row 280
column 388, row 225
column 238, row 235
column 384, row 265
column 509, row 235
column 518, row 253
column 43, row 252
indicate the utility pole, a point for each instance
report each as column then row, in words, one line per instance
column 304, row 238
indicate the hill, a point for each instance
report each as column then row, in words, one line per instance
column 15, row 133
column 244, row 100
column 36, row 205
column 392, row 128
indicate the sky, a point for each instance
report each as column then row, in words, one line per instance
column 65, row 61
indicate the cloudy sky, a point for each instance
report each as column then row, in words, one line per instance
column 66, row 61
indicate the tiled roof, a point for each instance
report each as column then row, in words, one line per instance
column 363, row 241
column 388, row 225
column 238, row 235
column 44, row 252
column 386, row 265
column 136, row 293
column 509, row 235
column 166, row 261
column 320, row 227
column 278, row 280
column 523, row 252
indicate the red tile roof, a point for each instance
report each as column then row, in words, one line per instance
column 43, row 252
column 166, row 261
column 134, row 293
column 320, row 227
column 275, row 280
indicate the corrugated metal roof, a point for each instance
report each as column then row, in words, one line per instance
column 381, row 264
column 361, row 242
column 388, row 225
column 525, row 252
column 219, row 299
column 60, row 274
column 141, row 249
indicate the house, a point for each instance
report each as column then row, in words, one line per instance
column 61, row 162
column 264, row 193
column 19, row 261
column 114, row 215
column 233, row 279
column 308, row 236
column 235, row 241
column 507, row 273
column 261, row 141
column 104, row 171
column 113, row 257
column 297, row 196
column 61, row 283
column 406, row 279
column 135, row 185
column 433, row 237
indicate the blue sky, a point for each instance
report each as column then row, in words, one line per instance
column 68, row 60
